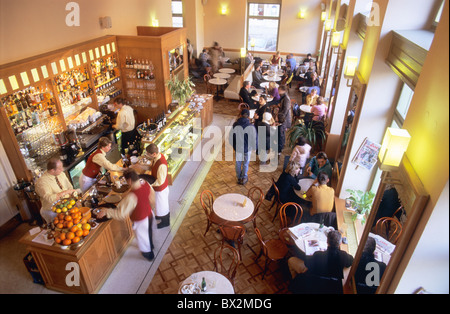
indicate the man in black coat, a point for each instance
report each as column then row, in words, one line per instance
column 245, row 95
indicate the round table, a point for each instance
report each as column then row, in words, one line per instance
column 227, row 70
column 256, row 98
column 218, row 82
column 309, row 238
column 305, row 108
column 229, row 207
column 215, row 283
column 305, row 184
column 222, row 75
column 272, row 78
column 266, row 85
column 304, row 89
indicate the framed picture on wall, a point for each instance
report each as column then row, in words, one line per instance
column 366, row 156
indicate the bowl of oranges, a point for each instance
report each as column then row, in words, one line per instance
column 72, row 226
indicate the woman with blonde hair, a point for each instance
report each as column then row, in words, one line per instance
column 272, row 90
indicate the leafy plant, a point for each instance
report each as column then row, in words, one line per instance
column 362, row 202
column 180, row 90
column 313, row 132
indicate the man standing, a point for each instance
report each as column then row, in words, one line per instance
column 138, row 206
column 125, row 122
column 284, row 117
column 243, row 138
column 52, row 186
column 159, row 171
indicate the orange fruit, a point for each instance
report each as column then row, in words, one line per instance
column 74, row 229
column 85, row 233
column 68, row 218
column 83, row 221
column 79, row 233
column 56, row 221
column 62, row 236
column 70, row 235
column 67, row 242
column 69, row 224
column 58, row 240
column 60, row 216
column 60, row 226
column 86, row 226
column 76, row 240
column 76, row 221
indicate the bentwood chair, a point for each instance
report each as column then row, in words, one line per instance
column 243, row 106
column 233, row 232
column 276, row 200
column 207, row 201
column 226, row 261
column 286, row 221
column 206, row 79
column 257, row 197
column 389, row 228
column 273, row 250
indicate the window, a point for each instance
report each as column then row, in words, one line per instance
column 404, row 101
column 177, row 13
column 437, row 18
column 263, row 24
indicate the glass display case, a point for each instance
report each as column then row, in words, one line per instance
column 178, row 138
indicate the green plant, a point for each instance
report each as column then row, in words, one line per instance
column 362, row 202
column 180, row 90
column 313, row 132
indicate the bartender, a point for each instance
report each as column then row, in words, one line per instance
column 51, row 186
column 125, row 122
column 95, row 162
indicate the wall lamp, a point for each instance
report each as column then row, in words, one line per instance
column 328, row 25
column 323, row 16
column 335, row 41
column 224, row 10
column 302, row 14
column 350, row 69
column 394, row 146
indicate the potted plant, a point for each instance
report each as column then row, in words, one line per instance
column 361, row 203
column 313, row 132
column 180, row 90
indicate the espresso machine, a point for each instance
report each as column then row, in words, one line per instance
column 71, row 148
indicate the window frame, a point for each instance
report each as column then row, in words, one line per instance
column 398, row 119
column 177, row 14
column 437, row 16
column 263, row 2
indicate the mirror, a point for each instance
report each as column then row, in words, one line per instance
column 176, row 62
column 398, row 206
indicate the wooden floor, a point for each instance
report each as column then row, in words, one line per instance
column 191, row 252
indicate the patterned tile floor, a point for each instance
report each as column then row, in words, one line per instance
column 191, row 252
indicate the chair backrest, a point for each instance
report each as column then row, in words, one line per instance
column 226, row 261
column 261, row 242
column 257, row 197
column 290, row 79
column 243, row 106
column 277, row 191
column 285, row 221
column 207, row 200
column 389, row 228
column 206, row 77
column 232, row 232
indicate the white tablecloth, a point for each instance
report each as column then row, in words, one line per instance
column 272, row 78
column 304, row 89
column 305, row 108
column 309, row 238
column 229, row 207
column 266, row 85
column 216, row 283
column 222, row 75
column 227, row 70
column 217, row 81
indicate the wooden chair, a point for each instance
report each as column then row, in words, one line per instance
column 389, row 228
column 226, row 261
column 207, row 201
column 243, row 106
column 276, row 200
column 206, row 78
column 273, row 250
column 233, row 233
column 286, row 222
column 257, row 197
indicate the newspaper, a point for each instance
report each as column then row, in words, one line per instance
column 367, row 154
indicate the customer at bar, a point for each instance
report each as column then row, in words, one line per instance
column 96, row 161
column 243, row 138
column 138, row 205
column 244, row 93
column 125, row 122
column 319, row 163
column 159, row 170
column 51, row 186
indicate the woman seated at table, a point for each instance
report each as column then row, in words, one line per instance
column 273, row 92
column 300, row 153
column 321, row 197
column 319, row 110
column 311, row 98
column 318, row 164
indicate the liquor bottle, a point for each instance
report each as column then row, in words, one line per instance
column 164, row 118
column 203, row 284
column 23, row 101
column 18, row 103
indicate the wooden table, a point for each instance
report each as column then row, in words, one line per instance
column 96, row 258
column 215, row 283
column 229, row 207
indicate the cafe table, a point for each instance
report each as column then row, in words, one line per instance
column 272, row 78
column 305, row 184
column 266, row 85
column 216, row 283
column 227, row 70
column 304, row 89
column 222, row 75
column 233, row 207
column 309, row 237
column 305, row 108
column 268, row 98
column 218, row 82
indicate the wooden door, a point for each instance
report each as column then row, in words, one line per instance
column 8, row 199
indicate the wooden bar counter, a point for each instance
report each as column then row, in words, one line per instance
column 96, row 258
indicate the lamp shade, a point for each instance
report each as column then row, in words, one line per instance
column 350, row 66
column 224, row 10
column 335, row 39
column 302, row 14
column 323, row 16
column 328, row 25
column 243, row 52
column 395, row 144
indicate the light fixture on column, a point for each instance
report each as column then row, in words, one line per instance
column 335, row 41
column 350, row 69
column 328, row 25
column 155, row 22
column 323, row 16
column 302, row 14
column 224, row 10
column 394, row 146
column 243, row 55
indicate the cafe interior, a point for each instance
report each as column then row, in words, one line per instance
column 382, row 71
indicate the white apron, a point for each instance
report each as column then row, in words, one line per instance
column 85, row 182
column 141, row 230
column 162, row 202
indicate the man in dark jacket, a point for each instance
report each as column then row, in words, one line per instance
column 243, row 139
column 245, row 95
column 284, row 117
